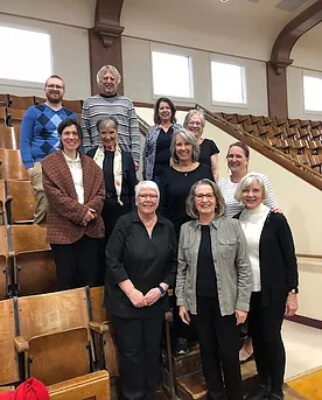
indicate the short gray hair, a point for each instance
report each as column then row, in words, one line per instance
column 191, row 208
column 192, row 113
column 247, row 181
column 146, row 185
column 112, row 70
column 107, row 122
column 189, row 138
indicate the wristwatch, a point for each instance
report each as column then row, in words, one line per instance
column 294, row 291
column 162, row 291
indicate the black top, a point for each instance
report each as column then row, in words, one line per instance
column 207, row 149
column 162, row 154
column 206, row 276
column 175, row 187
column 132, row 254
column 277, row 260
column 128, row 168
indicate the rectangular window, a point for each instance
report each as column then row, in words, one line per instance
column 312, row 86
column 26, row 55
column 172, row 75
column 228, row 83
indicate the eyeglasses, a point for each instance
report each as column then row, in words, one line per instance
column 208, row 196
column 58, row 87
column 151, row 196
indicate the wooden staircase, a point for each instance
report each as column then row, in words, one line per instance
column 189, row 381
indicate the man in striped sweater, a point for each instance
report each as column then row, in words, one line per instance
column 108, row 103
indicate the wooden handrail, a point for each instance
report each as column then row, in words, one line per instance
column 312, row 256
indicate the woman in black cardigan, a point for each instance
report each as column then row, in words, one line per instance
column 119, row 173
column 275, row 284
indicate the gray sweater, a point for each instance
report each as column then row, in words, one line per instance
column 120, row 107
column 231, row 264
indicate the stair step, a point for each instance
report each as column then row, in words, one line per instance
column 193, row 387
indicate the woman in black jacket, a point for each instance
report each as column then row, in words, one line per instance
column 140, row 266
column 119, row 173
column 275, row 283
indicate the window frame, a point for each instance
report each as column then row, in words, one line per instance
column 22, row 83
column 176, row 52
column 310, row 74
column 229, row 61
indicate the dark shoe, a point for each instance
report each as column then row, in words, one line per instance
column 182, row 346
column 259, row 393
column 276, row 396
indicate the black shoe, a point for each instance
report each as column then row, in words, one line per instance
column 276, row 396
column 182, row 346
column 259, row 393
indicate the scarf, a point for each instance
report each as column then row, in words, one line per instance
column 117, row 168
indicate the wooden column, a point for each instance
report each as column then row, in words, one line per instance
column 105, row 46
column 280, row 57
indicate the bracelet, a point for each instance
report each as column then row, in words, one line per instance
column 162, row 291
column 294, row 291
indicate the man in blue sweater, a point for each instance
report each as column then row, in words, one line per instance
column 39, row 137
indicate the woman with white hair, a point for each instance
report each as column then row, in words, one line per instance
column 275, row 283
column 140, row 266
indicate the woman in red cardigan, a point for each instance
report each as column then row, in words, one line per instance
column 75, row 190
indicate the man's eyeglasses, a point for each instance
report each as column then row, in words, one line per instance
column 58, row 87
column 207, row 196
column 151, row 196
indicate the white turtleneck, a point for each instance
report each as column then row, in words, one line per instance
column 252, row 222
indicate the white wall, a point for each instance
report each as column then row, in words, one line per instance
column 137, row 75
column 67, row 23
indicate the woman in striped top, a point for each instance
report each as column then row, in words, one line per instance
column 237, row 160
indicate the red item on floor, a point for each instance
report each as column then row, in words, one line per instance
column 31, row 389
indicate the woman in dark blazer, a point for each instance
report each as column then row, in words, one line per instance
column 119, row 173
column 74, row 186
column 275, row 283
column 140, row 266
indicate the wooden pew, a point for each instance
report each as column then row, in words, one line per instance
column 12, row 166
column 34, row 267
column 54, row 335
column 22, row 203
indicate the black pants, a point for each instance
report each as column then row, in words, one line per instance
column 265, row 325
column 219, row 346
column 138, row 343
column 77, row 263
